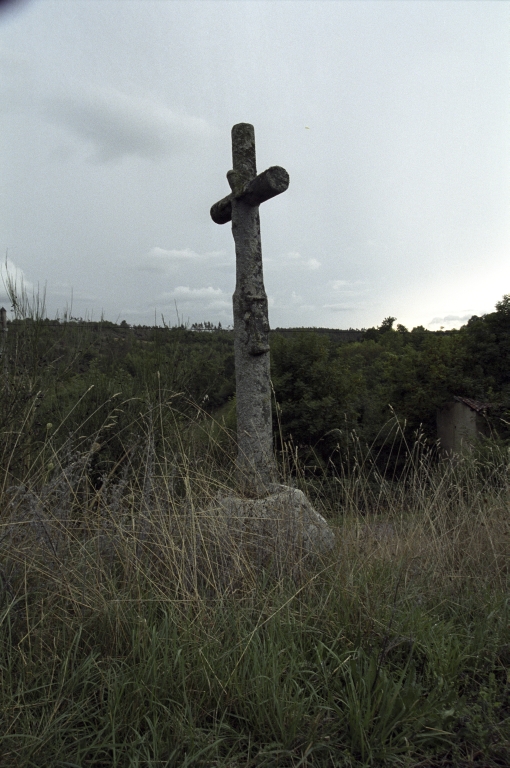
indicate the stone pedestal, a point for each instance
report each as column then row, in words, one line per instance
column 278, row 531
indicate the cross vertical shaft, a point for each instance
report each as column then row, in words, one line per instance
column 251, row 329
column 256, row 464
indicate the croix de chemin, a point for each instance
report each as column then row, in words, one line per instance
column 251, row 324
column 275, row 520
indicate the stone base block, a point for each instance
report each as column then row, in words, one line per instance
column 282, row 527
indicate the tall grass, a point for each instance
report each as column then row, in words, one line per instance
column 135, row 629
column 138, row 629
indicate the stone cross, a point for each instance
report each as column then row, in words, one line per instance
column 256, row 464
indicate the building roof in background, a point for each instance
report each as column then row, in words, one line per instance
column 475, row 405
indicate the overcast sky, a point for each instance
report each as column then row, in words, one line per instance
column 391, row 118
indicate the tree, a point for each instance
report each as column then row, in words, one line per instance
column 503, row 306
column 314, row 390
column 387, row 324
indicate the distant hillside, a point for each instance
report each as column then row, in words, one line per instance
column 335, row 334
column 143, row 332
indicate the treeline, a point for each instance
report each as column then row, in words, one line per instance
column 79, row 378
column 327, row 391
column 92, row 383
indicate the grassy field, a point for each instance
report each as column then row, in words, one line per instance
column 136, row 631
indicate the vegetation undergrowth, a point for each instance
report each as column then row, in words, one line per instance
column 137, row 630
column 134, row 629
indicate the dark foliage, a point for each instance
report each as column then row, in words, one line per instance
column 95, row 380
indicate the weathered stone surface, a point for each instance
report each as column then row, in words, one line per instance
column 281, row 527
column 255, row 461
column 274, row 525
column 263, row 187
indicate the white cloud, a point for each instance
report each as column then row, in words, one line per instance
column 162, row 259
column 198, row 300
column 191, row 294
column 186, row 253
column 448, row 319
column 10, row 273
column 293, row 302
column 348, row 286
column 184, row 291
column 338, row 307
column 293, row 260
column 118, row 125
column 9, row 270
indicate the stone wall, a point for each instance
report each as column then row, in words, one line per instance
column 458, row 426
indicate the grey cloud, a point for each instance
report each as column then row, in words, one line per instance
column 399, row 187
column 118, row 125
column 199, row 300
column 16, row 89
column 71, row 295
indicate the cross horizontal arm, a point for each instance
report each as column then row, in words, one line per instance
column 263, row 187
